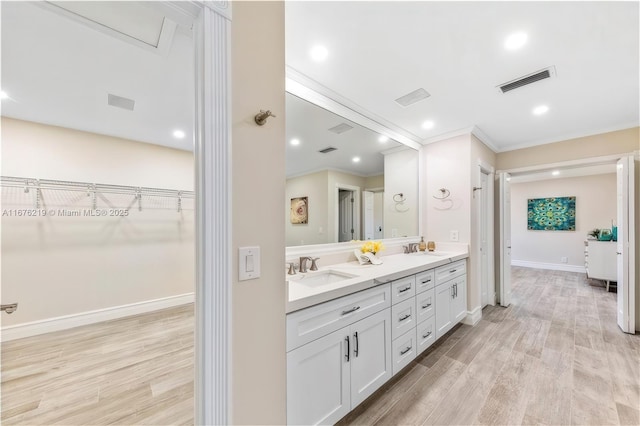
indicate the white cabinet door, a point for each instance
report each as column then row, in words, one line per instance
column 370, row 355
column 443, row 309
column 459, row 300
column 318, row 380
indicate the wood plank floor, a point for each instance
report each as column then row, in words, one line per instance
column 555, row 357
column 135, row 370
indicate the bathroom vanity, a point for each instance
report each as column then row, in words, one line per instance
column 352, row 327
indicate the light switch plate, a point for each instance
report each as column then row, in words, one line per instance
column 248, row 263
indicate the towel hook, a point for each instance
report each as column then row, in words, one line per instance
column 261, row 117
column 445, row 194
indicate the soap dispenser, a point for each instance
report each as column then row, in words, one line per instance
column 422, row 246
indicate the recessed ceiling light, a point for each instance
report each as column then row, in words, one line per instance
column 4, row 95
column 383, row 139
column 356, row 159
column 178, row 134
column 295, row 142
column 515, row 41
column 555, row 172
column 539, row 110
column 319, row 53
column 428, row 124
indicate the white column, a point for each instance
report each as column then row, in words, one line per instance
column 213, row 214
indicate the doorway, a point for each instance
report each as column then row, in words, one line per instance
column 373, row 218
column 347, row 213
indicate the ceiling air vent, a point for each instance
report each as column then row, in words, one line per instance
column 120, row 102
column 527, row 79
column 328, row 150
column 341, row 128
column 413, row 97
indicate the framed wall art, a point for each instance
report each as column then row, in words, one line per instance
column 551, row 214
column 299, row 210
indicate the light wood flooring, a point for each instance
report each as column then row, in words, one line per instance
column 555, row 356
column 135, row 370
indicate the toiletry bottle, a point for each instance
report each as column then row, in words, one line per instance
column 422, row 246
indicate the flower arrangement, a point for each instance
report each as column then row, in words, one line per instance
column 372, row 247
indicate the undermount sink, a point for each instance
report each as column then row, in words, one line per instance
column 314, row 279
column 433, row 253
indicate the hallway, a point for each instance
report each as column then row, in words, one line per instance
column 555, row 356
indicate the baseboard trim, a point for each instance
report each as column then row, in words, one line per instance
column 66, row 322
column 551, row 266
column 473, row 317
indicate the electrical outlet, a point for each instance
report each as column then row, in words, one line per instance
column 564, row 259
column 394, row 232
column 453, row 235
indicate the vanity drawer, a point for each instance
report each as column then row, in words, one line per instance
column 425, row 305
column 403, row 317
column 425, row 280
column 426, row 334
column 403, row 289
column 403, row 350
column 452, row 270
column 316, row 321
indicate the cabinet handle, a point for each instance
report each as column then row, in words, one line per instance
column 456, row 285
column 346, row 355
column 452, row 292
column 406, row 350
column 355, row 308
column 426, row 306
column 404, row 289
column 405, row 317
column 424, row 336
column 356, row 344
column 452, row 271
column 426, row 281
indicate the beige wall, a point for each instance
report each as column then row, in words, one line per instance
column 595, row 208
column 314, row 186
column 58, row 266
column 258, row 325
column 401, row 176
column 618, row 142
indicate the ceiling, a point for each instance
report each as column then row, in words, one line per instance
column 60, row 71
column 380, row 51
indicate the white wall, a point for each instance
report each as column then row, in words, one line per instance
column 595, row 208
column 58, row 266
column 401, row 176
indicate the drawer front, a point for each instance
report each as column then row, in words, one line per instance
column 403, row 350
column 403, row 289
column 403, row 317
column 425, row 281
column 314, row 322
column 426, row 304
column 426, row 334
column 452, row 270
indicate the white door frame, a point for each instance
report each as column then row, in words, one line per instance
column 212, row 152
column 504, row 239
column 485, row 168
column 583, row 162
column 356, row 208
column 625, row 247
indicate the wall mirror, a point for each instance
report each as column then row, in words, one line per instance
column 344, row 181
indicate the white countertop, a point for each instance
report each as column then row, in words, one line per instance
column 300, row 296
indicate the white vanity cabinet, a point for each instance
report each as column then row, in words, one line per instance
column 332, row 374
column 451, row 296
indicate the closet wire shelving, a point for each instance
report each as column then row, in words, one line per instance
column 20, row 192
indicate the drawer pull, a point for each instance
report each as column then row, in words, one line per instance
column 404, row 289
column 426, row 306
column 356, row 345
column 426, row 335
column 405, row 317
column 355, row 308
column 452, row 271
column 346, row 355
column 426, row 281
column 407, row 349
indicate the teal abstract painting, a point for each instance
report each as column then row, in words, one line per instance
column 551, row 214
